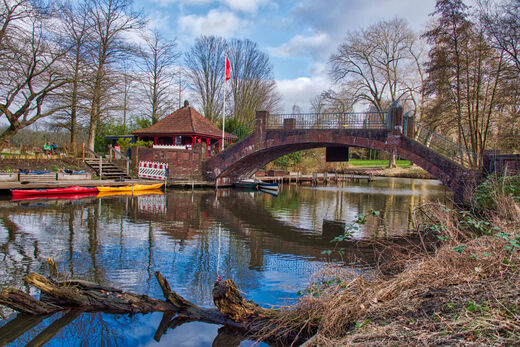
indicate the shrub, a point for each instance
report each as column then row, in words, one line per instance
column 488, row 192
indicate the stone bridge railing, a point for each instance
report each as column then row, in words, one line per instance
column 332, row 120
column 391, row 120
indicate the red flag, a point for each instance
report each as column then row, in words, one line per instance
column 228, row 74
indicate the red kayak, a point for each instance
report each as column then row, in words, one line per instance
column 55, row 197
column 53, row 191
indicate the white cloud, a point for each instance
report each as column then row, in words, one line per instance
column 187, row 2
column 250, row 6
column 337, row 18
column 219, row 23
column 304, row 45
column 301, row 91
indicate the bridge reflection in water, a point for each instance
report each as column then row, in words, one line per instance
column 269, row 246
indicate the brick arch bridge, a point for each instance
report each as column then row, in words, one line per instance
column 277, row 135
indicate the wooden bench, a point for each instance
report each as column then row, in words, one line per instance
column 30, row 177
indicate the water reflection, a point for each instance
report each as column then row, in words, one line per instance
column 270, row 246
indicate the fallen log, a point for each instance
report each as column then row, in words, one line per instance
column 232, row 310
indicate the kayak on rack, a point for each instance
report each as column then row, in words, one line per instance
column 130, row 188
column 53, row 191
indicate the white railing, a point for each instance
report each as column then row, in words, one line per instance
column 188, row 147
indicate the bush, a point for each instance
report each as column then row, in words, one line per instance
column 294, row 158
column 488, row 192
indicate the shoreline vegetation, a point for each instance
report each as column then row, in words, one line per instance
column 459, row 286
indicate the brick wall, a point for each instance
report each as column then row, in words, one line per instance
column 182, row 164
column 500, row 163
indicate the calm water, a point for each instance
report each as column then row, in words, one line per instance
column 270, row 246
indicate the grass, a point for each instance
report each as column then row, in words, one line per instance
column 359, row 163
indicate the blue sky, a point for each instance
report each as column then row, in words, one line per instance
column 299, row 36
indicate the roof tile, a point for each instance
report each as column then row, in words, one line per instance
column 184, row 121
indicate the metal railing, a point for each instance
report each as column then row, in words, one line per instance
column 351, row 120
column 445, row 146
column 88, row 151
column 114, row 153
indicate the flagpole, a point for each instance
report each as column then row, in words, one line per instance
column 224, row 113
column 224, row 116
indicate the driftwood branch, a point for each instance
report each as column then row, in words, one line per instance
column 76, row 296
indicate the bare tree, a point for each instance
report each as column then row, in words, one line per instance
column 502, row 21
column 75, row 31
column 252, row 83
column 465, row 76
column 31, row 73
column 379, row 65
column 251, row 86
column 337, row 101
column 205, row 69
column 318, row 104
column 158, row 73
column 373, row 64
column 12, row 15
column 181, row 78
column 110, row 20
column 127, row 83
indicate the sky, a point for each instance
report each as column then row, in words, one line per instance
column 298, row 36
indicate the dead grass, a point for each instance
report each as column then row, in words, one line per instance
column 461, row 287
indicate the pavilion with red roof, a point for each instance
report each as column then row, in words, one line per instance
column 182, row 129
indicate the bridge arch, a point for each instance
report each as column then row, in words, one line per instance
column 265, row 145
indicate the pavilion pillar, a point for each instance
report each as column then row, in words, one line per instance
column 207, row 147
column 155, row 138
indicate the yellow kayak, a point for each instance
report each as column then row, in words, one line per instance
column 134, row 187
column 129, row 193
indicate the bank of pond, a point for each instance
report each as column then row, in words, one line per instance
column 270, row 246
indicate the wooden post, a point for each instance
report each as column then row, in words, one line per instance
column 83, row 151
column 100, row 167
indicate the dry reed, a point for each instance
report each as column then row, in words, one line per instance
column 461, row 286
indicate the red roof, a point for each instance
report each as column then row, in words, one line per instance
column 184, row 121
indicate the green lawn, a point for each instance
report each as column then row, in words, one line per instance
column 377, row 163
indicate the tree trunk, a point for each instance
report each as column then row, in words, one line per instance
column 73, row 115
column 392, row 162
column 92, row 132
column 6, row 136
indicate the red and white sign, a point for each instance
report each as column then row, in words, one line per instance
column 153, row 170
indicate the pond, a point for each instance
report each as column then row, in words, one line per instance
column 269, row 245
